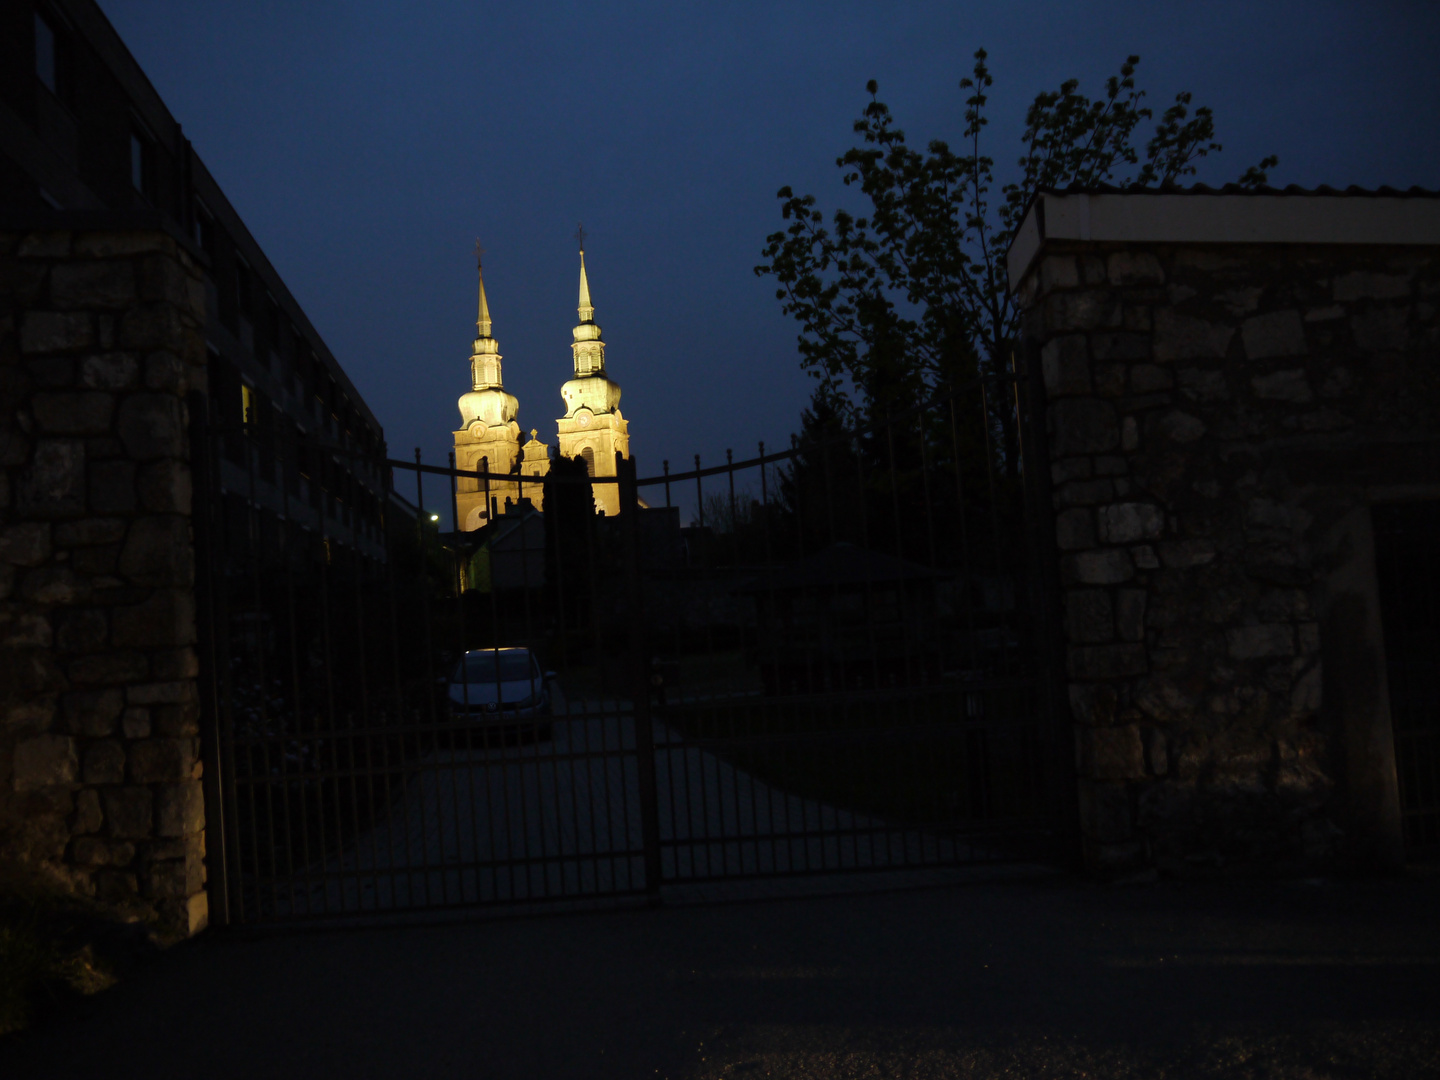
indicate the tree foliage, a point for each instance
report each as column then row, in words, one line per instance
column 913, row 293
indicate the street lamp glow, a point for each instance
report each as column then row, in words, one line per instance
column 434, row 517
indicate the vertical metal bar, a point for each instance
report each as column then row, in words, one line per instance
column 964, row 534
column 667, row 483
column 639, row 676
column 454, row 497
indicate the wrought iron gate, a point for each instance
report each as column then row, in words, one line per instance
column 827, row 658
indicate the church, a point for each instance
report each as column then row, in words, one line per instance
column 488, row 439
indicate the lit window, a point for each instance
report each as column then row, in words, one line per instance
column 46, row 67
column 140, row 162
column 247, row 404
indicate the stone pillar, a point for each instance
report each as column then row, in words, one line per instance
column 1212, row 413
column 101, row 337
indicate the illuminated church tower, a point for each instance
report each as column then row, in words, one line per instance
column 489, row 437
column 592, row 427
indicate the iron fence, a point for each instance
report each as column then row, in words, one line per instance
column 826, row 658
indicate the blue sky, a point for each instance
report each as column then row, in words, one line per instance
column 367, row 145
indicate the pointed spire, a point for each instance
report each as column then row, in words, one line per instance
column 482, row 323
column 587, row 309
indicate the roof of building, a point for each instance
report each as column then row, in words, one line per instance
column 1227, row 215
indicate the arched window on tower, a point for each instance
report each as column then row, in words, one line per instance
column 589, row 455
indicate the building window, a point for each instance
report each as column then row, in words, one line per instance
column 205, row 231
column 247, row 404
column 47, row 54
column 142, row 162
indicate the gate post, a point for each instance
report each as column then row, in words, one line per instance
column 639, row 660
column 211, row 651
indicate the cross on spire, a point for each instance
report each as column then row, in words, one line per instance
column 479, row 252
column 580, row 236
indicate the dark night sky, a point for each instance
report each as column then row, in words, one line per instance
column 367, row 144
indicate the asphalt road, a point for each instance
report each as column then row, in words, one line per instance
column 1041, row 978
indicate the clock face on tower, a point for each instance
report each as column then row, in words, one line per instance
column 583, row 419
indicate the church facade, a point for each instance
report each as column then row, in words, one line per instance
column 489, row 441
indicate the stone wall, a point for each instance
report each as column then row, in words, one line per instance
column 101, row 337
column 1219, row 419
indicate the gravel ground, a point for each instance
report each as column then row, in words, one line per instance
column 1036, row 977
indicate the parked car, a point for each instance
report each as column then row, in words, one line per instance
column 502, row 687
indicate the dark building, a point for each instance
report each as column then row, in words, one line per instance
column 137, row 313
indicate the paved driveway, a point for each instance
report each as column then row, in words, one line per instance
column 562, row 818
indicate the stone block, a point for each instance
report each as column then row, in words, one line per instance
column 1089, row 618
column 53, row 585
column 166, row 371
column 1075, row 529
column 109, row 371
column 151, row 326
column 172, row 664
column 1125, row 523
column 177, row 721
column 180, row 692
column 128, row 812
column 1106, row 661
column 197, row 913
column 1181, row 337
column 54, row 484
column 92, row 285
column 1105, row 811
column 87, row 818
column 1157, row 754
column 98, row 562
column 1107, row 567
column 1203, row 385
column 43, row 245
column 1067, row 469
column 1069, row 311
column 1144, row 557
column 1173, row 426
column 1162, row 698
column 1365, row 285
column 84, row 412
column 166, row 619
column 1107, row 345
column 164, row 487
column 158, row 552
column 165, row 879
column 92, row 712
column 1380, row 329
column 1083, row 426
column 115, row 887
column 152, row 426
column 104, row 763
column 86, row 531
column 181, row 808
column 1288, row 385
column 1129, row 435
column 1277, row 333
column 1085, row 493
column 1306, row 695
column 153, row 760
column 25, row 544
column 1059, row 272
column 1109, row 379
column 56, row 331
column 19, row 629
column 1093, row 703
column 1134, row 268
column 1111, row 465
column 135, row 723
column 112, row 487
column 1112, row 753
column 1130, row 614
column 1065, row 366
column 1150, row 379
column 44, row 761
column 96, row 851
column 108, row 668
column 1307, row 638
column 1180, row 554
column 162, row 278
column 1257, row 642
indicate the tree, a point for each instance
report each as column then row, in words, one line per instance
column 914, row 295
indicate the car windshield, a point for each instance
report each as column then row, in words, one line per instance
column 490, row 666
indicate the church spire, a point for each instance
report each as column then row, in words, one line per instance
column 482, row 323
column 587, row 309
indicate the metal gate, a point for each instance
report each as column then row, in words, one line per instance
column 827, row 658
